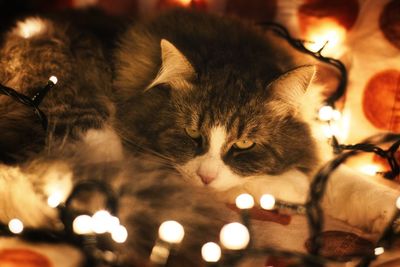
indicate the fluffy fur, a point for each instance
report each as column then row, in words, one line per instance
column 221, row 79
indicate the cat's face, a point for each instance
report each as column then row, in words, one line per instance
column 222, row 130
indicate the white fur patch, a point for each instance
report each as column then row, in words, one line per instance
column 19, row 200
column 291, row 186
column 103, row 145
column 211, row 164
column 217, row 140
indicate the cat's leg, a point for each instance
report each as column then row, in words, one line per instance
column 358, row 200
column 291, row 186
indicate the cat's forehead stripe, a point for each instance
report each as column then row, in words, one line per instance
column 217, row 140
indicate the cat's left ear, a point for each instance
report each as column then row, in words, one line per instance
column 175, row 68
column 290, row 87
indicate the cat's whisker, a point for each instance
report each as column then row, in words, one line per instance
column 157, row 158
column 146, row 150
column 186, row 176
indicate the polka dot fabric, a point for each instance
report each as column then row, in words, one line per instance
column 370, row 49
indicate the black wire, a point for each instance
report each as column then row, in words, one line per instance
column 299, row 45
column 30, row 102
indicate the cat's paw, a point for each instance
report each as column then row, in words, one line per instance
column 383, row 211
column 359, row 200
column 369, row 211
column 291, row 186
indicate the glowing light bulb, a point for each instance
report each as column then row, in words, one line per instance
column 159, row 254
column 112, row 223
column 54, row 199
column 267, row 201
column 336, row 115
column 185, row 2
column 100, row 221
column 244, row 201
column 325, row 113
column 330, row 130
column 211, row 252
column 398, row 203
column 119, row 234
column 369, row 169
column 16, row 226
column 326, row 130
column 31, row 27
column 171, row 232
column 379, row 251
column 327, row 35
column 82, row 225
column 53, row 79
column 234, row 236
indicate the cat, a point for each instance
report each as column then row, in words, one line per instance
column 239, row 113
column 194, row 109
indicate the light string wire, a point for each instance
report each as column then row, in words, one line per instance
column 33, row 102
column 94, row 254
column 314, row 211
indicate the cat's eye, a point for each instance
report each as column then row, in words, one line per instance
column 243, row 144
column 193, row 133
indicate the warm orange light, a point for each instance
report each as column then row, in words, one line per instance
column 31, row 27
column 185, row 2
column 327, row 35
column 369, row 169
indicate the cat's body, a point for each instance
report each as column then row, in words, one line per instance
column 200, row 105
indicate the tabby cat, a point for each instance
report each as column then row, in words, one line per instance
column 193, row 109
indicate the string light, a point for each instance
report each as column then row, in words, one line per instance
column 171, row 232
column 100, row 221
column 234, row 236
column 244, row 201
column 325, row 113
column 211, row 252
column 33, row 102
column 119, row 234
column 330, row 130
column 398, row 203
column 159, row 254
column 336, row 115
column 53, row 79
column 39, row 96
column 16, row 226
column 267, row 201
column 326, row 37
column 82, row 225
column 54, row 199
column 379, row 251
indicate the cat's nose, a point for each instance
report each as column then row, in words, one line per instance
column 206, row 179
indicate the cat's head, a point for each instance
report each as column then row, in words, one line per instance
column 219, row 129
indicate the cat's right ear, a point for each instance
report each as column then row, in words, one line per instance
column 288, row 89
column 175, row 68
